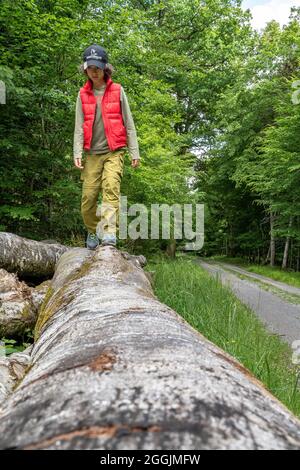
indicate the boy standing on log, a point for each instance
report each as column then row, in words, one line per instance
column 104, row 129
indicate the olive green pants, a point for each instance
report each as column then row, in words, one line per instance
column 102, row 173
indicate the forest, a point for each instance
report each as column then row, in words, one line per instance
column 215, row 104
column 150, row 344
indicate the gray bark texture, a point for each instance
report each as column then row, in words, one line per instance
column 19, row 304
column 12, row 370
column 26, row 257
column 114, row 368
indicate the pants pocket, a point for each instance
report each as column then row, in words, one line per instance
column 121, row 156
column 82, row 171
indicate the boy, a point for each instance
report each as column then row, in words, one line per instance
column 104, row 128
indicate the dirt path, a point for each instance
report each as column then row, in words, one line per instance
column 266, row 280
column 280, row 316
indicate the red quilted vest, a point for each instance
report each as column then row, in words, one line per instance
column 115, row 130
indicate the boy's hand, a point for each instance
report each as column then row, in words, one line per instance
column 77, row 163
column 135, row 163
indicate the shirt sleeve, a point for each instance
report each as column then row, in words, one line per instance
column 132, row 142
column 78, row 130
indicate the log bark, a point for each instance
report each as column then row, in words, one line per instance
column 286, row 246
column 114, row 368
column 12, row 370
column 19, row 304
column 29, row 258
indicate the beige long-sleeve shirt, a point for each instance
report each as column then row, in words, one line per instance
column 99, row 143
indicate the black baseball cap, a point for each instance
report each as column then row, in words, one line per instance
column 95, row 55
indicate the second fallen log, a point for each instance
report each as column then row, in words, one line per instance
column 29, row 258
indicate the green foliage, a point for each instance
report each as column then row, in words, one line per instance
column 11, row 345
column 172, row 64
column 198, row 78
column 253, row 166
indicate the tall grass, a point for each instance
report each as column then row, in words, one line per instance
column 215, row 312
column 277, row 274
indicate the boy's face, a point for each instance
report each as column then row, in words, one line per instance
column 95, row 73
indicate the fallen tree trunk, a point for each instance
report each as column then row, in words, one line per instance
column 29, row 258
column 113, row 368
column 19, row 304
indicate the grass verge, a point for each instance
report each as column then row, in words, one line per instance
column 288, row 277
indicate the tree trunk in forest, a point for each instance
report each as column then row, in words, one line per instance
column 272, row 240
column 231, row 242
column 286, row 247
column 291, row 253
column 114, row 368
column 29, row 258
column 268, row 255
column 171, row 248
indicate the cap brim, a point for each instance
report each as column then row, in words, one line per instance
column 95, row 62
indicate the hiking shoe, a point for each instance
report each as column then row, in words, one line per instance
column 109, row 239
column 92, row 241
